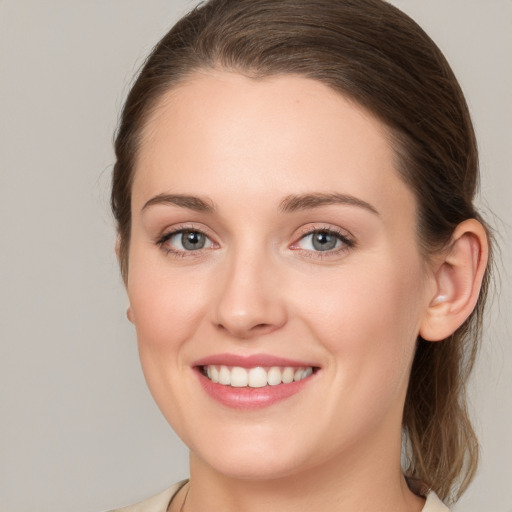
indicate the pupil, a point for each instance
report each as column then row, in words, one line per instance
column 324, row 241
column 192, row 240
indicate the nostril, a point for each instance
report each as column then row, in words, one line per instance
column 245, row 330
column 261, row 326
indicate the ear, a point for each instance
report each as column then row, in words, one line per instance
column 118, row 247
column 458, row 279
column 129, row 313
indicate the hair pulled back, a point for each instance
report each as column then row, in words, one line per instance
column 374, row 54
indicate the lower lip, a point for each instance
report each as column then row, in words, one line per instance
column 251, row 398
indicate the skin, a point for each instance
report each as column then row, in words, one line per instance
column 259, row 286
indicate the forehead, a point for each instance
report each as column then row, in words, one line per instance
column 272, row 136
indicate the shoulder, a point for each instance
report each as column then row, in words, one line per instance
column 434, row 504
column 160, row 502
column 157, row 503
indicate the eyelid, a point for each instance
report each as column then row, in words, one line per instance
column 346, row 238
column 315, row 227
column 171, row 231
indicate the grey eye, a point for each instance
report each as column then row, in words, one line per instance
column 183, row 241
column 324, row 241
column 193, row 240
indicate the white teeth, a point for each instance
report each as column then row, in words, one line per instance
column 298, row 375
column 239, row 377
column 288, row 374
column 256, row 377
column 224, row 376
column 274, row 376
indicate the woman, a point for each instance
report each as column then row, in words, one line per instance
column 305, row 267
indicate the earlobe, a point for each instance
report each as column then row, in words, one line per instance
column 458, row 280
column 118, row 247
column 129, row 314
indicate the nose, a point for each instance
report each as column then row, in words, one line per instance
column 250, row 302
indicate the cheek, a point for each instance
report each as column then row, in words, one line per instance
column 368, row 318
column 165, row 305
column 166, row 309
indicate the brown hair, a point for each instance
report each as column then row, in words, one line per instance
column 374, row 54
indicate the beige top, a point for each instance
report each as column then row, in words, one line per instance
column 160, row 502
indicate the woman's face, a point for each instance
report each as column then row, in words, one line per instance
column 272, row 239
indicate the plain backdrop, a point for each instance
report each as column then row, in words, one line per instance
column 78, row 429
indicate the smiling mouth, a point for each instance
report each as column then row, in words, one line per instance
column 256, row 377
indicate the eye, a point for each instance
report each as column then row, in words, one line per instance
column 185, row 240
column 323, row 240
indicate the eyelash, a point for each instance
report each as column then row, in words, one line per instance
column 347, row 242
column 161, row 242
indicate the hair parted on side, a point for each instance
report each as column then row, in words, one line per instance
column 371, row 52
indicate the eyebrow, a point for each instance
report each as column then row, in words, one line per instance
column 184, row 201
column 289, row 204
column 295, row 203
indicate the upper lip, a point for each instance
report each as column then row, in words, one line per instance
column 250, row 361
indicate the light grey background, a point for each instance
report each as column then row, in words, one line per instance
column 78, row 429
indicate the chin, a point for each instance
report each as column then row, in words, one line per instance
column 256, row 468
column 254, row 457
